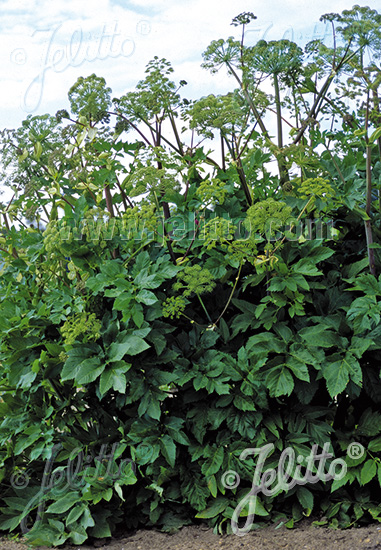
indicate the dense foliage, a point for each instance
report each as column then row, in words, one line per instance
column 164, row 307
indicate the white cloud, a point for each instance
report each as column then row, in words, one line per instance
column 45, row 46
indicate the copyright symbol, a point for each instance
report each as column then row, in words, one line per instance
column 19, row 480
column 18, row 56
column 355, row 450
column 230, row 479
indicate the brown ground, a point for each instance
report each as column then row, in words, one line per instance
column 303, row 537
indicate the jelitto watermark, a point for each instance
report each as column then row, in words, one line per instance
column 288, row 474
column 63, row 47
column 80, row 469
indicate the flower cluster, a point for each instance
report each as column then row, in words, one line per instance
column 81, row 324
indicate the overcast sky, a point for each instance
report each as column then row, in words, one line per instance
column 45, row 45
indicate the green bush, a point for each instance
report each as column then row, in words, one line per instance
column 162, row 314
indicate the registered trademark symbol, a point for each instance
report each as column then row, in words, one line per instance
column 143, row 27
column 355, row 450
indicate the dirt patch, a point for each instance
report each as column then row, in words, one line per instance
column 304, row 537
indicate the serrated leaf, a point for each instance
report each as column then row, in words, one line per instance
column 243, row 403
column 354, row 269
column 149, row 404
column 375, row 445
column 215, row 509
column 168, row 449
column 83, row 364
column 146, row 297
column 305, row 266
column 337, row 373
column 130, row 345
column 265, row 341
column 360, row 345
column 370, row 423
column 319, row 335
column 83, row 373
column 137, row 314
column 196, row 493
column 257, row 508
column 368, row 471
column 212, row 485
column 279, row 381
column 142, row 280
column 78, row 534
column 213, row 462
column 306, row 498
column 75, row 513
column 122, row 302
column 64, row 503
column 284, row 332
column 224, row 329
column 321, row 253
column 25, row 442
column 340, row 482
column 154, row 409
column 114, row 378
column 336, row 376
column 298, row 368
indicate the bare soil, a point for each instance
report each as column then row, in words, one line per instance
column 304, row 537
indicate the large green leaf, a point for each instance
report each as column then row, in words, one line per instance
column 168, row 449
column 368, row 471
column 129, row 344
column 146, row 297
column 214, row 458
column 279, row 381
column 64, row 503
column 319, row 335
column 84, row 364
column 298, row 368
column 218, row 506
column 306, row 498
column 337, row 371
column 265, row 341
column 305, row 266
column 114, row 377
column 143, row 280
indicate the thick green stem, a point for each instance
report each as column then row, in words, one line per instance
column 368, row 198
column 376, row 104
column 336, row 165
column 223, row 152
column 177, row 137
column 108, row 198
column 249, row 101
column 119, row 114
column 367, row 222
column 278, row 111
column 240, row 171
column 125, row 197
column 283, row 172
column 165, row 205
